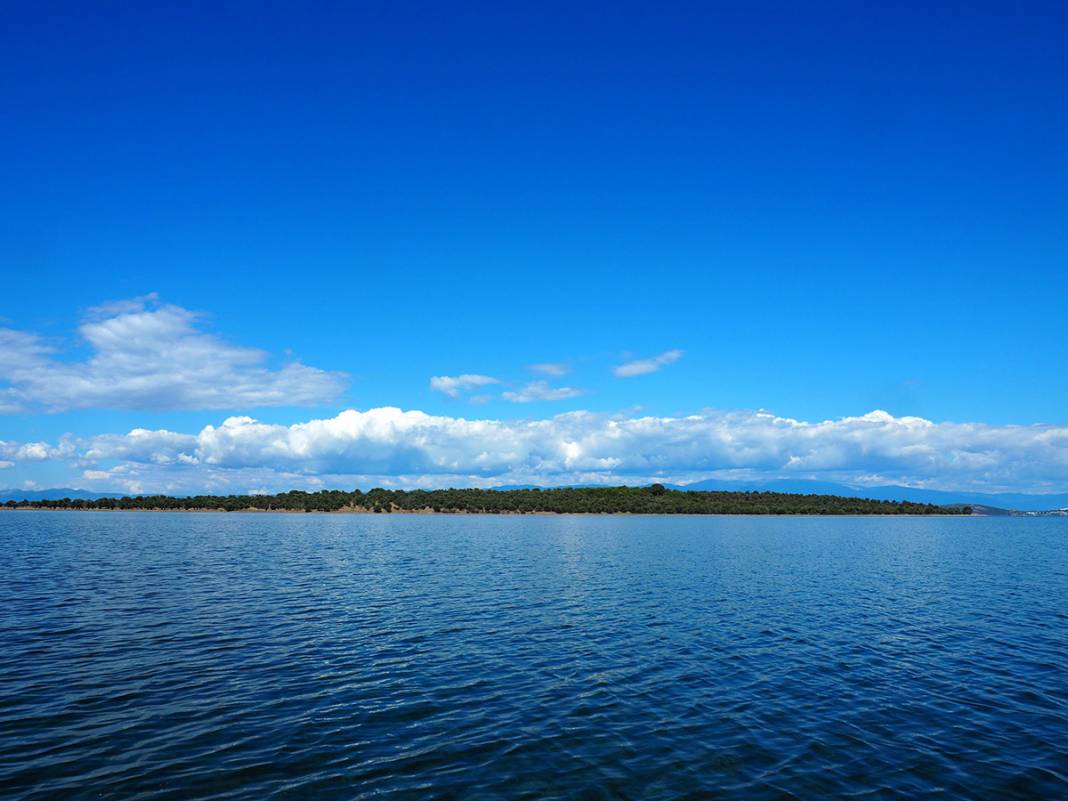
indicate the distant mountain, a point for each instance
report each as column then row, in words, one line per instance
column 54, row 494
column 1022, row 501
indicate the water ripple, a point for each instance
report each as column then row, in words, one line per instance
column 358, row 657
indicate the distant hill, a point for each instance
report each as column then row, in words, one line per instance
column 654, row 499
column 53, row 494
column 1025, row 502
column 994, row 502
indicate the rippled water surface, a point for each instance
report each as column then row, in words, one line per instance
column 181, row 656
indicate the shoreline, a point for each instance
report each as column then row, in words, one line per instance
column 461, row 512
column 656, row 499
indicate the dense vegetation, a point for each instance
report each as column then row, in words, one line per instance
column 636, row 500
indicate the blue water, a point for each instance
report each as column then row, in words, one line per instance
column 182, row 656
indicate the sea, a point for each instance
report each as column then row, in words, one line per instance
column 335, row 656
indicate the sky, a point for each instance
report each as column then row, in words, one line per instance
column 254, row 247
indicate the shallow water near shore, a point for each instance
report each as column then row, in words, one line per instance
column 245, row 656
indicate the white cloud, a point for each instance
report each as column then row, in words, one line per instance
column 389, row 446
column 37, row 451
column 116, row 308
column 454, row 385
column 644, row 366
column 555, row 369
column 541, row 391
column 151, row 356
column 33, row 451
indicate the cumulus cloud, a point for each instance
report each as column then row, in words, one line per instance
column 645, row 366
column 389, row 446
column 555, row 369
column 455, row 385
column 541, row 391
column 151, row 356
column 37, row 451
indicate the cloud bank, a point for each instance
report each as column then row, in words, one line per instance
column 151, row 356
column 392, row 447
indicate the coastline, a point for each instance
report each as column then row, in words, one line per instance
column 463, row 512
column 655, row 499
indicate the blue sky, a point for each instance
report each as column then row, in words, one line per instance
column 817, row 210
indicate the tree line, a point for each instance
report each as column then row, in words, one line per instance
column 654, row 499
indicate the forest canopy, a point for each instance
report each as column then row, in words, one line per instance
column 654, row 499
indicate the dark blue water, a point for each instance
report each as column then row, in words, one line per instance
column 180, row 656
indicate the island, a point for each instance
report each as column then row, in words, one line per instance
column 654, row 499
